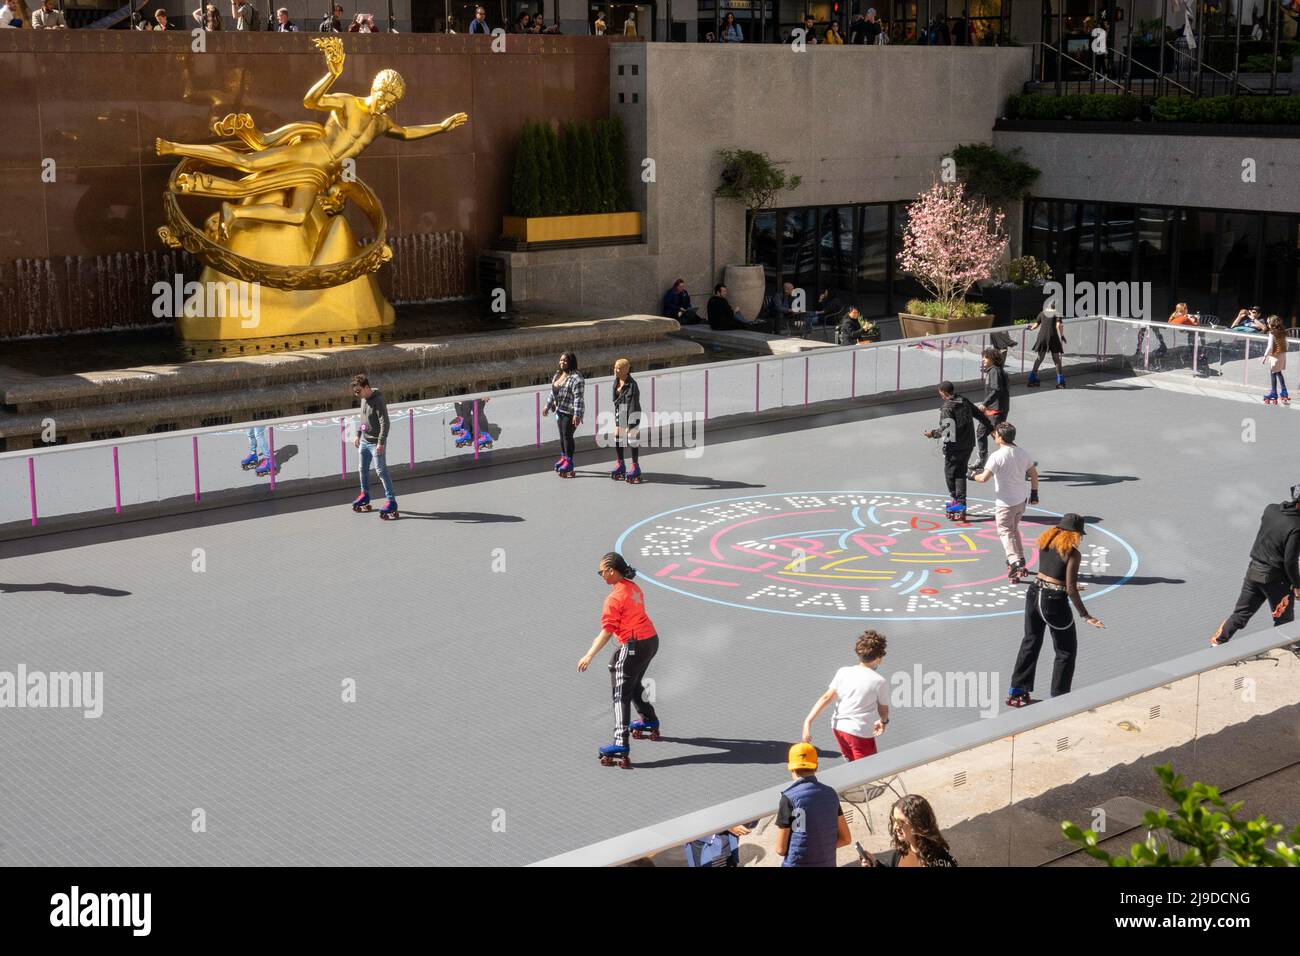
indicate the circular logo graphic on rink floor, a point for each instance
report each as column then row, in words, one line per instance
column 853, row 555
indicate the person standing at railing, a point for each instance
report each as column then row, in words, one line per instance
column 1274, row 571
column 568, row 401
column 997, row 401
column 1047, row 607
column 624, row 618
column 809, row 820
column 862, row 701
column 731, row 32
column 1051, row 338
column 1275, row 359
column 627, row 421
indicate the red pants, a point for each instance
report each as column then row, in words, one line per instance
column 855, row 748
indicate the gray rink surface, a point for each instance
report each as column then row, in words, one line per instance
column 223, row 689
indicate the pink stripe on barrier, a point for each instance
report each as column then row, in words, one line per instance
column 117, row 484
column 595, row 423
column 757, row 378
column 853, row 376
column 706, row 394
column 343, row 449
column 195, row 441
column 31, row 486
column 805, row 380
column 898, row 369
column 270, row 453
column 475, row 432
column 537, row 403
column 1245, row 375
column 943, row 347
column 1024, row 334
column 410, row 420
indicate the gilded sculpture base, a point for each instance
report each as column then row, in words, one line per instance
column 350, row 307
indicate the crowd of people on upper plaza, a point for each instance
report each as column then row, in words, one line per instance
column 865, row 29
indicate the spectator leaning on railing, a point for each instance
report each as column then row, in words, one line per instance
column 731, row 32
column 14, row 16
column 334, row 22
column 810, row 823
column 914, row 833
column 48, row 18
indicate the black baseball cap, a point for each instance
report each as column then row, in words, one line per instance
column 1072, row 522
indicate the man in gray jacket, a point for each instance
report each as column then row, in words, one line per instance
column 372, row 437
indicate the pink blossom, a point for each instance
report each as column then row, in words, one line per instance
column 951, row 242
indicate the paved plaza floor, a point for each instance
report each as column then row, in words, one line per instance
column 229, row 640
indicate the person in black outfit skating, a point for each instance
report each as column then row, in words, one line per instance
column 627, row 421
column 996, row 404
column 1047, row 607
column 1274, row 571
column 1051, row 338
column 956, row 432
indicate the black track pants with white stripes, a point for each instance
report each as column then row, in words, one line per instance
column 626, row 670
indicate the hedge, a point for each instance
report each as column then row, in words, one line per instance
column 580, row 170
column 1260, row 109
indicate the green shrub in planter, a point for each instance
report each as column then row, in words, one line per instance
column 936, row 310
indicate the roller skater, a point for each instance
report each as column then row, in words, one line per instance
column 1047, row 607
column 1275, row 359
column 371, row 437
column 624, row 619
column 1051, row 338
column 996, row 405
column 956, row 433
column 1274, row 571
column 627, row 421
column 568, row 401
column 256, row 448
column 862, row 700
column 1008, row 467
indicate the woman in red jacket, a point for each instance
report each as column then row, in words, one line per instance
column 624, row 618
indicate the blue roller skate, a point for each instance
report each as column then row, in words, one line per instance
column 266, row 467
column 956, row 511
column 457, row 423
column 633, row 476
column 1283, row 397
column 613, row 754
column 362, row 503
column 1032, row 381
column 389, row 511
column 1270, row 398
column 566, row 468
column 484, row 441
column 559, row 462
column 463, row 439
column 249, row 462
column 1060, row 381
column 619, row 473
column 644, row 728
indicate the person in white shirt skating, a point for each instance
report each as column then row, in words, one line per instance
column 1015, row 478
column 862, row 711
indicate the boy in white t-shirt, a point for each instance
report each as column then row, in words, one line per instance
column 1009, row 467
column 862, row 711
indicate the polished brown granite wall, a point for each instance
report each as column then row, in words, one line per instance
column 93, row 101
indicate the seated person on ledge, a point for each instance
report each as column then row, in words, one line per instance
column 677, row 304
column 723, row 316
column 784, row 313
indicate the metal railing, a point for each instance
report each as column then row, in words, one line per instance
column 1189, row 683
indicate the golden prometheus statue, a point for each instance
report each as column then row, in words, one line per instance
column 280, row 227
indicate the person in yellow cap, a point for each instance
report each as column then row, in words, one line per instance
column 810, row 823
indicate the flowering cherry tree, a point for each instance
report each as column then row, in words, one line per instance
column 951, row 242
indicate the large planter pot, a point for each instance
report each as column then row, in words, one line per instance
column 572, row 229
column 745, row 287
column 918, row 326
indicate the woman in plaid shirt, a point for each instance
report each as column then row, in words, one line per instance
column 568, row 401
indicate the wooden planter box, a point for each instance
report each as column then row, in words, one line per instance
column 599, row 227
column 917, row 326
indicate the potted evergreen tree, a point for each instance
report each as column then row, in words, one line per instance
column 755, row 180
column 950, row 243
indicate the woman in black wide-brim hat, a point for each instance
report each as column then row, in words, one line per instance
column 1047, row 606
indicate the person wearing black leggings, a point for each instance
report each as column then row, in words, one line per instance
column 996, row 404
column 627, row 421
column 568, row 401
column 1047, row 607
